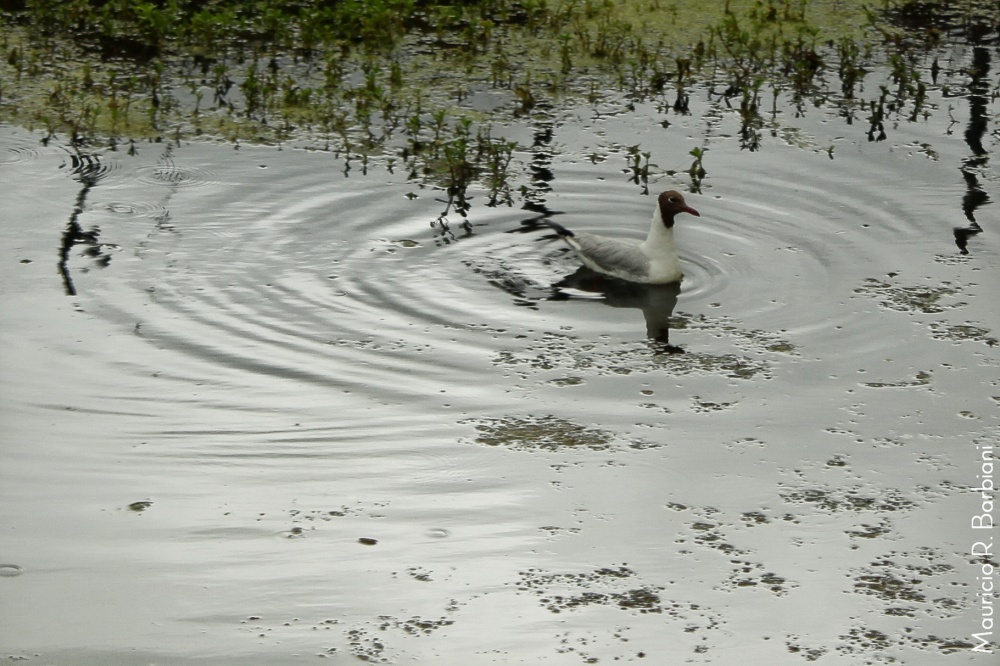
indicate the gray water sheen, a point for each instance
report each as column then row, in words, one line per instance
column 260, row 408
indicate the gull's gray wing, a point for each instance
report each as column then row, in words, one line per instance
column 611, row 255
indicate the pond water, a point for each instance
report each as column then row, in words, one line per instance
column 261, row 407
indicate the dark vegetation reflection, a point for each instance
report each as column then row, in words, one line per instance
column 973, row 23
column 751, row 62
column 979, row 98
column 88, row 171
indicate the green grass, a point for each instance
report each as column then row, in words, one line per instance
column 392, row 78
column 268, row 69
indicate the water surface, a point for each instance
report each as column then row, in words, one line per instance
column 260, row 407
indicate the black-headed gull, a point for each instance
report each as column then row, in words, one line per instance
column 653, row 261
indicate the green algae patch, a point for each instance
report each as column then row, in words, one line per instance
column 616, row 587
column 912, row 299
column 548, row 433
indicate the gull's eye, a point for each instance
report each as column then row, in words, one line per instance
column 672, row 199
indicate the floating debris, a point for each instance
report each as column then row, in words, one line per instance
column 911, row 584
column 752, row 575
column 921, row 379
column 835, row 500
column 926, row 300
column 600, row 587
column 962, row 333
column 548, row 433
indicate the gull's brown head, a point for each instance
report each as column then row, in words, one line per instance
column 672, row 202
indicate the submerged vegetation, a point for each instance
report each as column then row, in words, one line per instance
column 422, row 84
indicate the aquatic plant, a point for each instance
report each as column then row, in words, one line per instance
column 639, row 167
column 393, row 79
column 697, row 169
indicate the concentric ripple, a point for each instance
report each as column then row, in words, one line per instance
column 418, row 416
column 12, row 154
column 129, row 209
column 93, row 168
column 169, row 174
column 330, row 289
column 353, row 285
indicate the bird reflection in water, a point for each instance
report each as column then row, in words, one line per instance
column 656, row 301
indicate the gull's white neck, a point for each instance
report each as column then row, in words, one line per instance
column 661, row 250
column 660, row 238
